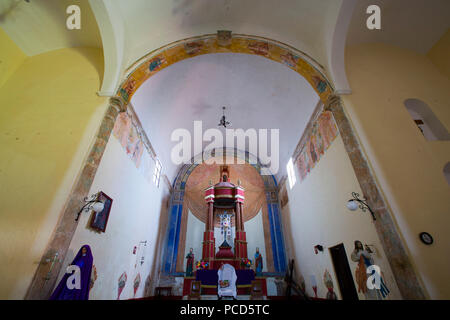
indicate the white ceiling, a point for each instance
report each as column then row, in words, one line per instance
column 152, row 24
column 412, row 24
column 258, row 93
column 39, row 26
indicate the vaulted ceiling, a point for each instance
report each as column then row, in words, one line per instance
column 127, row 30
column 195, row 89
column 258, row 93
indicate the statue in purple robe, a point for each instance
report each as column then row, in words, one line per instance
column 84, row 261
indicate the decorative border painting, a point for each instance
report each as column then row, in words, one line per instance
column 127, row 132
column 320, row 136
column 175, row 52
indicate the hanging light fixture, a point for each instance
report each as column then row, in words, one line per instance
column 223, row 120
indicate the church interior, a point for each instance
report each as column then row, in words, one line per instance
column 121, row 150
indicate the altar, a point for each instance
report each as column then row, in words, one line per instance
column 209, row 279
column 226, row 204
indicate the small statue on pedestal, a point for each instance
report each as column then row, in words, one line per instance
column 258, row 262
column 190, row 263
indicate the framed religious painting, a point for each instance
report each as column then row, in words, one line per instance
column 99, row 220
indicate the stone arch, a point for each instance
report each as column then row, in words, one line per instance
column 174, row 52
column 177, row 209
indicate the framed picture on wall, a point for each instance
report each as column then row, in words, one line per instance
column 99, row 220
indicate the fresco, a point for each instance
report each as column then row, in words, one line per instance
column 322, row 134
column 328, row 281
column 126, row 132
column 121, row 282
column 209, row 44
column 136, row 283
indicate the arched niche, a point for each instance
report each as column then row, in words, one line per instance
column 178, row 208
column 427, row 122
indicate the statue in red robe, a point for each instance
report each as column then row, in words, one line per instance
column 190, row 263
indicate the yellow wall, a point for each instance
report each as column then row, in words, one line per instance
column 440, row 54
column 49, row 113
column 10, row 57
column 408, row 167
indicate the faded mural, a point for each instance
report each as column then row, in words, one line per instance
column 322, row 134
column 125, row 130
column 209, row 44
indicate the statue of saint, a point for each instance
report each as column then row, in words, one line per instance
column 84, row 261
column 190, row 263
column 258, row 262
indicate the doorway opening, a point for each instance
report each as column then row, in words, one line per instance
column 343, row 272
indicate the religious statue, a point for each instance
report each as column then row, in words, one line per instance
column 258, row 262
column 84, row 261
column 190, row 263
column 365, row 260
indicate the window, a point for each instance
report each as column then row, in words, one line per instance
column 428, row 124
column 291, row 173
column 157, row 172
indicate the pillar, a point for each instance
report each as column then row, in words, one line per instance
column 240, row 241
column 40, row 288
column 209, row 242
column 388, row 234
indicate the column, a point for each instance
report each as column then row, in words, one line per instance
column 65, row 229
column 208, row 251
column 388, row 234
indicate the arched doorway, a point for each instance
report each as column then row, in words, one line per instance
column 180, row 204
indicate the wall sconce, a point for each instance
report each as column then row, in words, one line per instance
column 318, row 248
column 92, row 203
column 353, row 204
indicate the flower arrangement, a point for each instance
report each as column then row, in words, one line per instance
column 245, row 262
column 202, row 265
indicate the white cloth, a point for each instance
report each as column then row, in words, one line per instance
column 227, row 272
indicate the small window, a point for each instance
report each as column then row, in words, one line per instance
column 447, row 172
column 157, row 172
column 428, row 124
column 291, row 173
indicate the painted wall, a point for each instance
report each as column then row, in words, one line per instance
column 49, row 115
column 134, row 217
column 255, row 238
column 194, row 238
column 439, row 54
column 409, row 168
column 11, row 57
column 317, row 214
